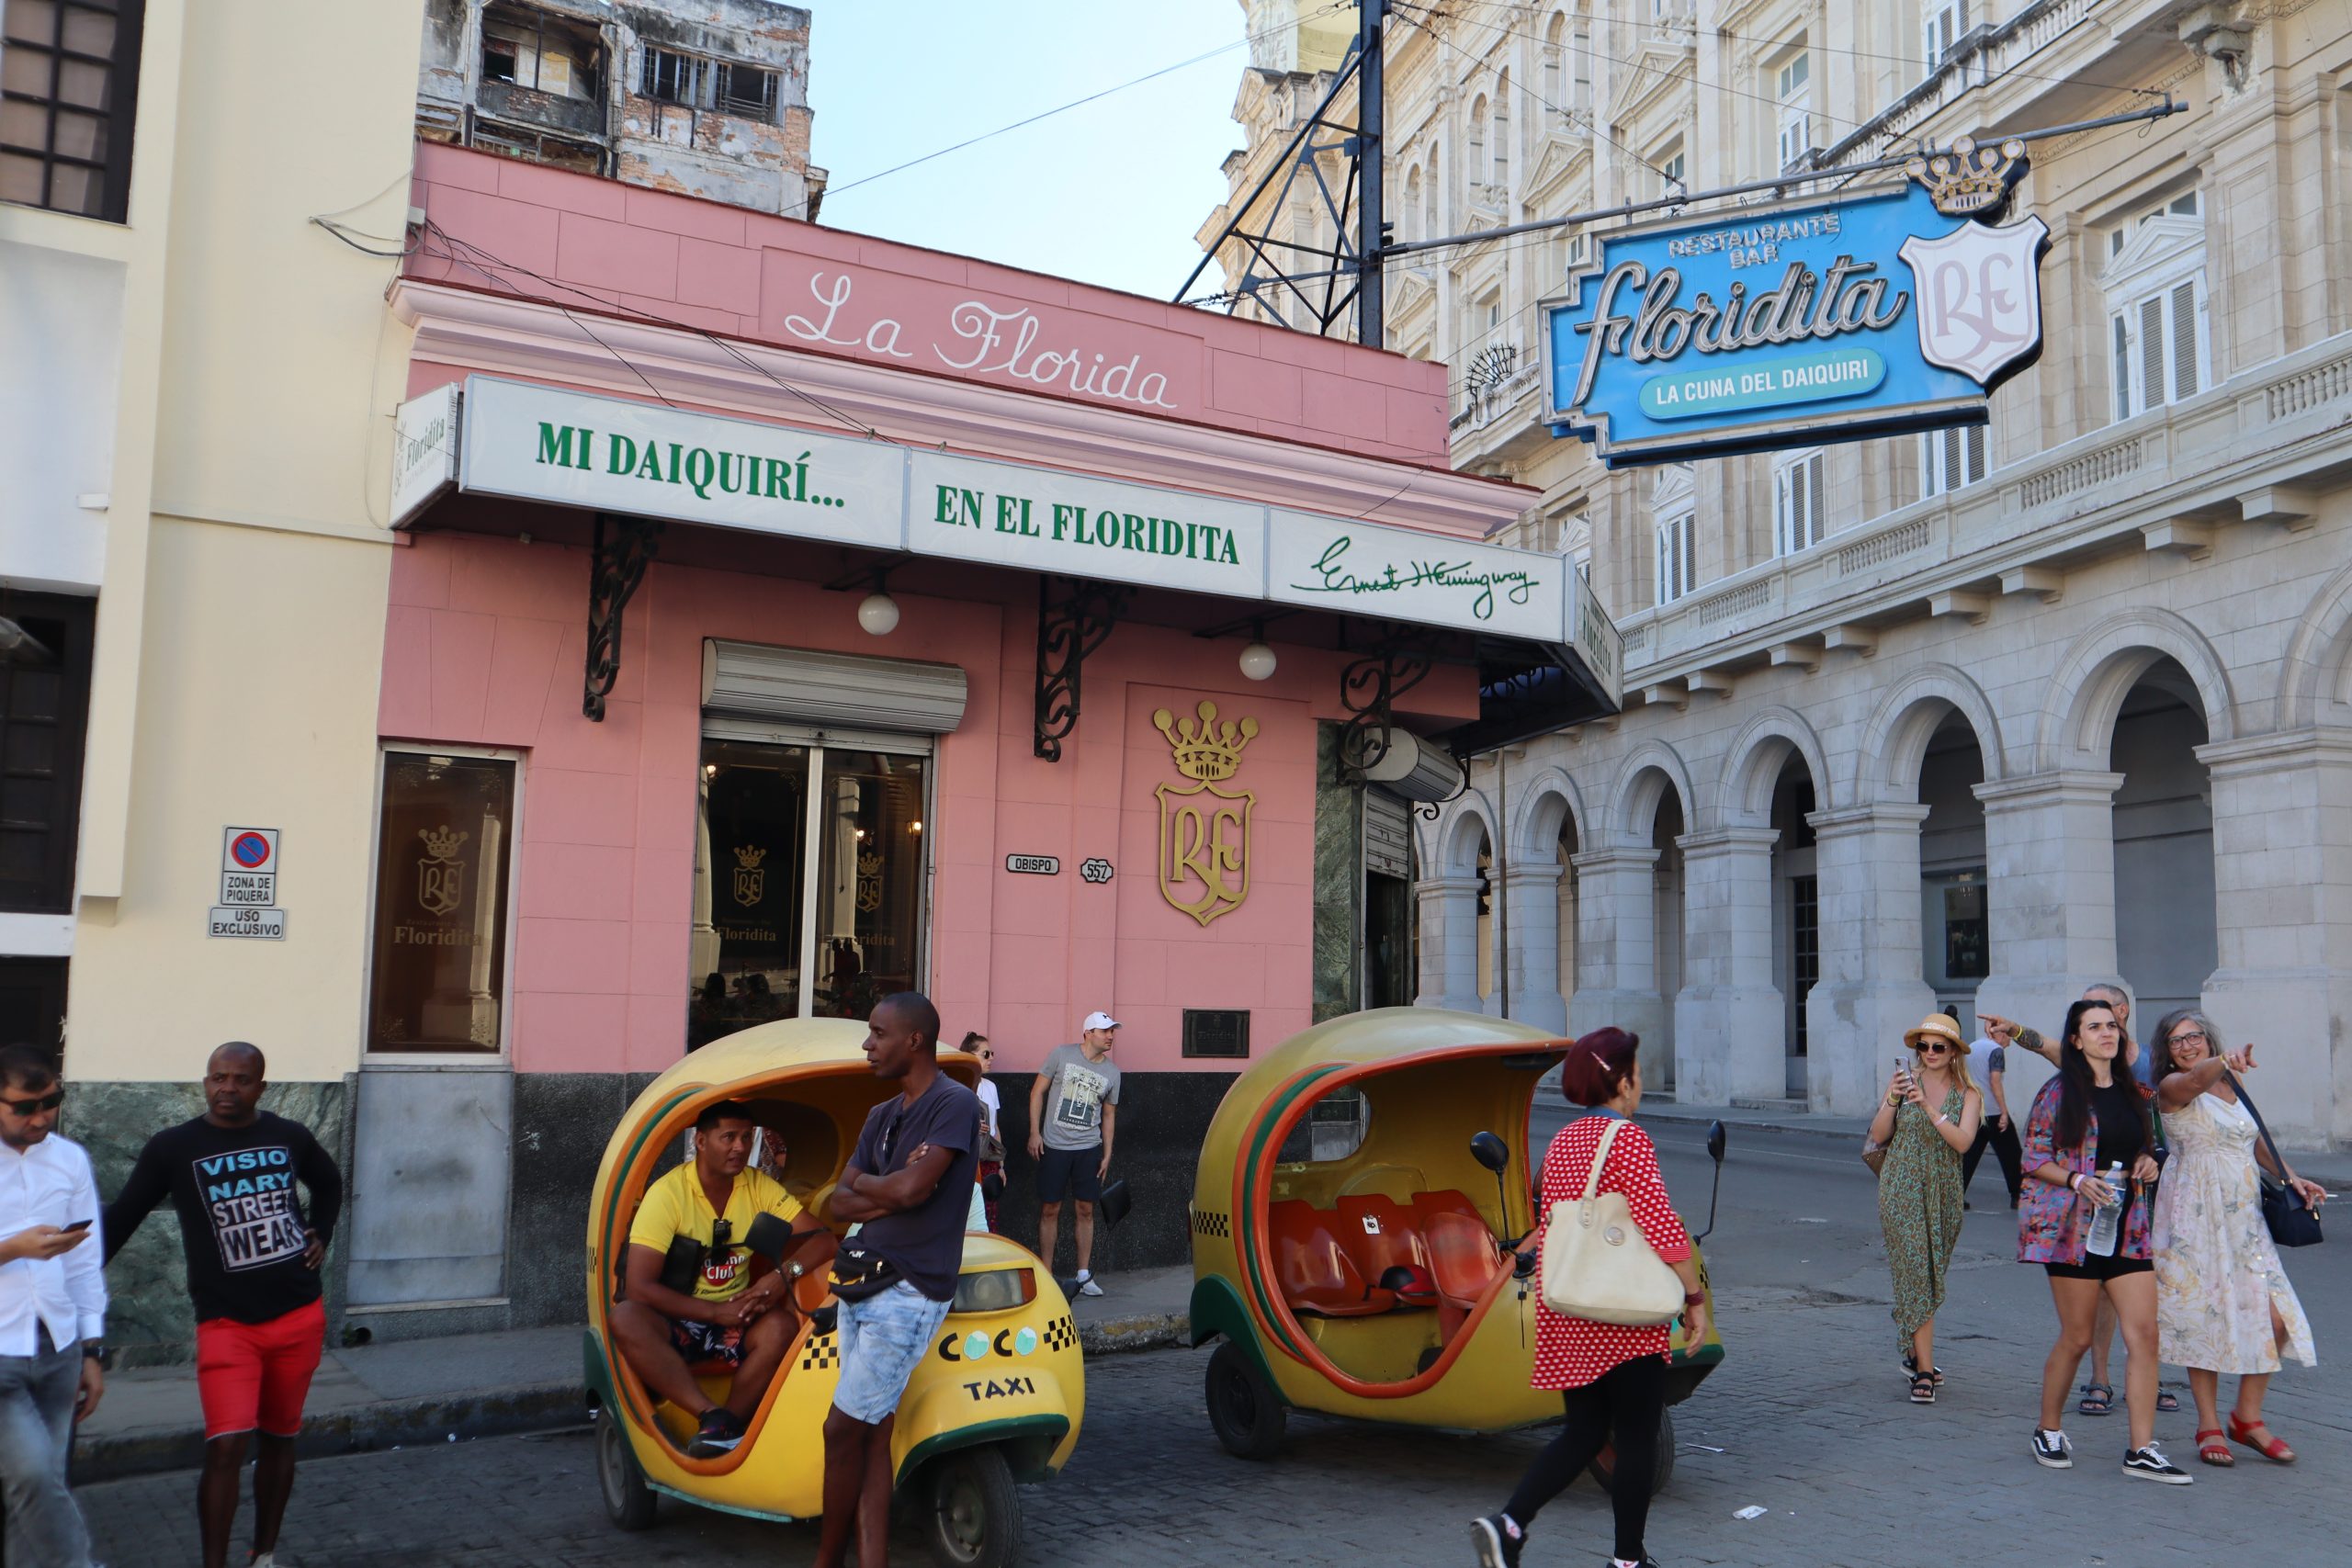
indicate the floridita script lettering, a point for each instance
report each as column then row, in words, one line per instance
column 1333, row 577
column 1805, row 304
column 994, row 342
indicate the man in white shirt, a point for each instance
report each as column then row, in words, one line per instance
column 53, row 1312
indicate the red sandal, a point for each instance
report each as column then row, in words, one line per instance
column 2276, row 1451
column 2217, row 1453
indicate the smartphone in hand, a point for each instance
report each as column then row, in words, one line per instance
column 76, row 1226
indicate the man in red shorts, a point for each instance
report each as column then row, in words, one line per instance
column 252, row 1268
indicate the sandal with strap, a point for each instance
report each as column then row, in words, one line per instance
column 1911, row 1368
column 2217, row 1453
column 2272, row 1448
column 1923, row 1388
column 2167, row 1401
column 2098, row 1399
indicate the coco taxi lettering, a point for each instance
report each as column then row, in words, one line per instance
column 1805, row 322
column 1204, row 867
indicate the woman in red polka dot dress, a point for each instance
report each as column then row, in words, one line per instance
column 1611, row 1379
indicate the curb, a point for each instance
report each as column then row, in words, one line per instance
column 1147, row 1331
column 1700, row 1115
column 358, row 1429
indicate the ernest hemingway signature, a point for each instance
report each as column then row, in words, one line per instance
column 1517, row 586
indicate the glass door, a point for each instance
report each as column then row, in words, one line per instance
column 809, row 883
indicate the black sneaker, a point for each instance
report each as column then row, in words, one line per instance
column 720, row 1432
column 1498, row 1548
column 2150, row 1464
column 2052, row 1450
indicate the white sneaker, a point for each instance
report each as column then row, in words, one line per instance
column 1087, row 1287
column 2052, row 1450
column 2150, row 1464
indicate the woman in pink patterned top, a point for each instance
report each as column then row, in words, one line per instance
column 1611, row 1379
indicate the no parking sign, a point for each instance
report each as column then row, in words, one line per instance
column 248, row 906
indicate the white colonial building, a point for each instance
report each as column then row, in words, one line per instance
column 1933, row 723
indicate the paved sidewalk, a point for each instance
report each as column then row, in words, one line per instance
column 484, row 1385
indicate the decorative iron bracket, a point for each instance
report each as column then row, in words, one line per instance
column 1073, row 617
column 1368, row 690
column 624, row 548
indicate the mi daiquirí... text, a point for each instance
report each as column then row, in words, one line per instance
column 1804, row 304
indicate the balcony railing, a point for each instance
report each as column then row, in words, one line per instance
column 1981, row 57
column 2171, row 473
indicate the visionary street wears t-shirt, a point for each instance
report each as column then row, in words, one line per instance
column 249, row 1197
column 242, row 1222
column 1075, row 1100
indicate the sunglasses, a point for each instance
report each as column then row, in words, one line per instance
column 1926, row 1045
column 722, row 1231
column 49, row 1102
column 985, row 1056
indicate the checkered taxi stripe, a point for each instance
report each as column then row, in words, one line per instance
column 1061, row 1334
column 1206, row 1224
column 820, row 1350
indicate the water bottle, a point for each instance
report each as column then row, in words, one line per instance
column 2109, row 1218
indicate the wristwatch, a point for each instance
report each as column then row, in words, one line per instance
column 97, row 1350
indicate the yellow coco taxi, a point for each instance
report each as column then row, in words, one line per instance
column 1361, row 1235
column 998, row 1401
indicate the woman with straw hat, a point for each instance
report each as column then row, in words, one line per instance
column 1926, row 1124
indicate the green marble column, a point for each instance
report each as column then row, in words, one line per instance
column 1339, row 880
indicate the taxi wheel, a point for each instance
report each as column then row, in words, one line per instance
column 627, row 1498
column 972, row 1517
column 1606, row 1464
column 1248, row 1415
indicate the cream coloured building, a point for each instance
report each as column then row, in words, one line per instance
column 1952, row 722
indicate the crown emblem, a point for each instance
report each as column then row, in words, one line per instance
column 1206, row 751
column 869, row 862
column 442, row 842
column 1969, row 180
column 748, row 856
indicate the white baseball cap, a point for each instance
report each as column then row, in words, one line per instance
column 1095, row 1020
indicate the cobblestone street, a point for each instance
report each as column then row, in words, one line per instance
column 1808, row 1412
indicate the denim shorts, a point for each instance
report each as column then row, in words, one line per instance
column 883, row 1338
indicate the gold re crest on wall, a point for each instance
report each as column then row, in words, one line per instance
column 1204, row 830
column 440, row 875
column 751, row 882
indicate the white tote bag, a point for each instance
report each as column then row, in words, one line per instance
column 1597, row 1263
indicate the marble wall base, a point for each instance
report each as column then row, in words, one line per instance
column 1339, row 880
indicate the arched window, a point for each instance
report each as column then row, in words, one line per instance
column 1430, row 230
column 1411, row 218
column 1479, row 116
column 1498, row 168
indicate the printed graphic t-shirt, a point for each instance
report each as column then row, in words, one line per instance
column 676, row 1206
column 241, row 1222
column 1076, row 1092
column 927, row 1241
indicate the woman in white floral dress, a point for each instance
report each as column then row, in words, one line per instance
column 2223, row 1302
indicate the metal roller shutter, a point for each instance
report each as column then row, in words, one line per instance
column 831, row 691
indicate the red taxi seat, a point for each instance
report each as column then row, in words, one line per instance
column 1383, row 1235
column 1314, row 1271
column 1463, row 1254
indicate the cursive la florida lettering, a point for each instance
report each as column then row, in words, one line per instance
column 249, row 1198
column 1333, row 576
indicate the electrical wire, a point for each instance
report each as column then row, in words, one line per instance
column 1244, row 39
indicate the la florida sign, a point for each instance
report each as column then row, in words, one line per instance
column 1795, row 324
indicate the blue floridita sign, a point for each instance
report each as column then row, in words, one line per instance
column 1798, row 324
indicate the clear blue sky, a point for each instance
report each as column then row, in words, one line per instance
column 1111, row 193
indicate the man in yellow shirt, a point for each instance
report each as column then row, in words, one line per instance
column 720, row 1300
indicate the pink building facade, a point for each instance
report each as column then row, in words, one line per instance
column 784, row 617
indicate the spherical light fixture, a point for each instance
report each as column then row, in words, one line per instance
column 878, row 613
column 1258, row 661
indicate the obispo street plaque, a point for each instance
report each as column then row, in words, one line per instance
column 1790, row 325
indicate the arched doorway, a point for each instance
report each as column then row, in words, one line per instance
column 1955, row 925
column 1667, row 883
column 1567, row 932
column 1796, row 913
column 2165, row 940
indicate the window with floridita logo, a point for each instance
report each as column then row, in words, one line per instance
column 443, row 853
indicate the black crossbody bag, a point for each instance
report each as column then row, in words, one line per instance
column 2292, row 1222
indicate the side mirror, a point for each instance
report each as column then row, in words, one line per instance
column 1715, row 1142
column 1491, row 1152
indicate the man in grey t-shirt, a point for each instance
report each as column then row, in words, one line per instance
column 1073, row 1110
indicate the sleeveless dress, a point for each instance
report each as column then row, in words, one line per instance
column 2217, row 1270
column 1918, row 1210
